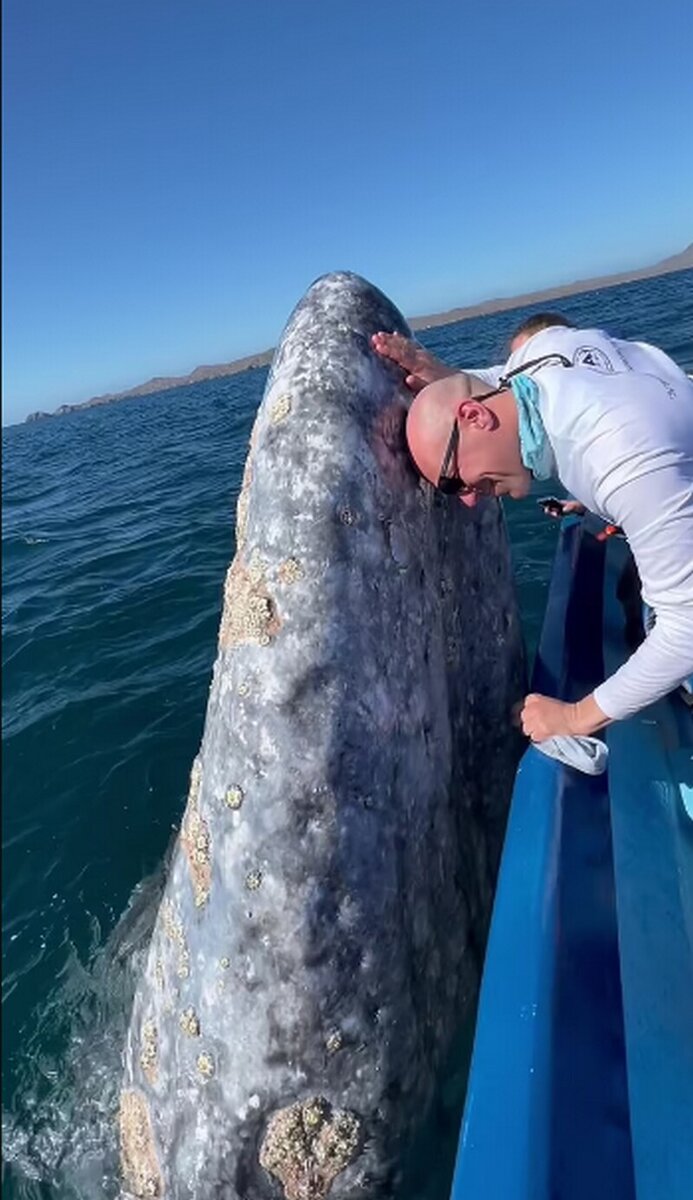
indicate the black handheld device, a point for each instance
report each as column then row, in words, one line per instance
column 551, row 505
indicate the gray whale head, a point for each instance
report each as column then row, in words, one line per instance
column 316, row 945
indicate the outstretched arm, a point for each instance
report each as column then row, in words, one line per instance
column 423, row 368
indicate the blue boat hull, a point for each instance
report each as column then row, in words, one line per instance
column 581, row 1083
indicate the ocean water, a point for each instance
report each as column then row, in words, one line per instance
column 118, row 528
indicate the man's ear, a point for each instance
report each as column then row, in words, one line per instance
column 476, row 414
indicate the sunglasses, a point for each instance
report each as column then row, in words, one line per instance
column 452, row 485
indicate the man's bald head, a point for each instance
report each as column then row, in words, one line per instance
column 488, row 454
column 431, row 418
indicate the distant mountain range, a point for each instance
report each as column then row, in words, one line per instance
column 677, row 262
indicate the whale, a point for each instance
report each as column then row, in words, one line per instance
column 319, row 934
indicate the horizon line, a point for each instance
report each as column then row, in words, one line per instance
column 676, row 262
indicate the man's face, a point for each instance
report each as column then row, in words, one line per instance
column 488, row 461
column 516, row 485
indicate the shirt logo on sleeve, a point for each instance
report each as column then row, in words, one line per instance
column 593, row 356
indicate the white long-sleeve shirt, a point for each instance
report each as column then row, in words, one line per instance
column 623, row 445
column 589, row 348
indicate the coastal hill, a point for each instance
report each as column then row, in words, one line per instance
column 678, row 262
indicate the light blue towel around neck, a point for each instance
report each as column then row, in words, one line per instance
column 535, row 447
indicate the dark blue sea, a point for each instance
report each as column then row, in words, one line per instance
column 118, row 527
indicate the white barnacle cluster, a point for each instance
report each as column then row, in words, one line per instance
column 257, row 617
column 290, row 571
column 137, row 1153
column 280, row 409
column 248, row 614
column 173, row 929
column 148, row 1050
column 234, row 796
column 189, row 1023
column 205, row 1065
column 196, row 844
column 257, row 567
column 308, row 1144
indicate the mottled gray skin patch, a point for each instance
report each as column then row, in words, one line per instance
column 367, row 731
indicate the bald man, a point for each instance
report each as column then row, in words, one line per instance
column 622, row 443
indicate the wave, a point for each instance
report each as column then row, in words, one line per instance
column 61, row 1130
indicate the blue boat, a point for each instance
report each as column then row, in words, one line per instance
column 581, row 1082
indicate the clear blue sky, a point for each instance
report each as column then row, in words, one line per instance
column 176, row 172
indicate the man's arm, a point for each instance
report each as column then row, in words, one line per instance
column 659, row 664
column 655, row 510
column 423, row 368
column 663, row 660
